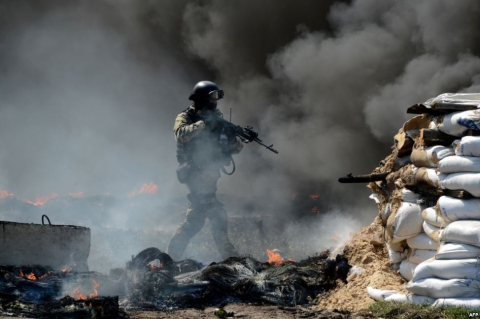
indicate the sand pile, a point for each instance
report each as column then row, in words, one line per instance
column 369, row 256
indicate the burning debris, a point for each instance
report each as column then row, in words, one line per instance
column 237, row 279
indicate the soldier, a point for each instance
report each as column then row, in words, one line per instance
column 203, row 149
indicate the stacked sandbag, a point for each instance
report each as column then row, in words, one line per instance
column 433, row 237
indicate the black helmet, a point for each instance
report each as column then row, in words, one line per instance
column 205, row 91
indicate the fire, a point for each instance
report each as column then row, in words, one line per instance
column 75, row 195
column 275, row 259
column 68, row 268
column 315, row 210
column 32, row 276
column 149, row 188
column 314, row 196
column 42, row 200
column 79, row 295
column 5, row 194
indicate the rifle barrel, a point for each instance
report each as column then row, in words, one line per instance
column 363, row 178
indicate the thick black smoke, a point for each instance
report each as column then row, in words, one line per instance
column 89, row 92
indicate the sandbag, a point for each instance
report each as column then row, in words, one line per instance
column 431, row 216
column 394, row 296
column 407, row 269
column 452, row 209
column 458, row 123
column 395, row 256
column 430, row 156
column 432, row 232
column 448, row 269
column 427, row 176
column 457, row 164
column 418, row 256
column 385, row 212
column 457, row 251
column 468, row 146
column 462, row 231
column 422, row 241
column 405, row 222
column 471, row 303
column 445, row 288
column 469, row 182
column 408, row 196
column 379, row 294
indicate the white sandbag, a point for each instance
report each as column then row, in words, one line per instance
column 427, row 176
column 457, row 164
column 418, row 256
column 410, row 299
column 406, row 222
column 407, row 269
column 379, row 294
column 470, row 303
column 458, row 123
column 452, row 209
column 448, row 269
column 468, row 146
column 462, row 231
column 386, row 212
column 431, row 216
column 395, row 256
column 430, row 156
column 457, row 251
column 462, row 181
column 422, row 241
column 409, row 196
column 432, row 232
column 442, row 288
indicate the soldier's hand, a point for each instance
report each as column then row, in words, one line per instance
column 210, row 121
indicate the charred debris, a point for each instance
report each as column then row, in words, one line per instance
column 153, row 281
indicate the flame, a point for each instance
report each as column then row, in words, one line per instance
column 42, row 200
column 31, row 276
column 75, row 195
column 5, row 194
column 315, row 210
column 314, row 196
column 79, row 295
column 275, row 259
column 149, row 188
column 68, row 268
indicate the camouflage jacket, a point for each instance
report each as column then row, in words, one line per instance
column 200, row 144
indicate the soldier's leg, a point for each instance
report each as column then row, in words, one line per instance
column 192, row 224
column 218, row 217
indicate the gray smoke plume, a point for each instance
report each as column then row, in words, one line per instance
column 89, row 92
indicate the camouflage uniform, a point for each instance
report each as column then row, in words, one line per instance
column 201, row 154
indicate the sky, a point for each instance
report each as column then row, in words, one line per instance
column 89, row 91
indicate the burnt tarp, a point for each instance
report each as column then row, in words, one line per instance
column 238, row 279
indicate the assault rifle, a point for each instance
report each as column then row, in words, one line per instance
column 363, row 178
column 247, row 134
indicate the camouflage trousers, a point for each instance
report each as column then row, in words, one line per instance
column 202, row 207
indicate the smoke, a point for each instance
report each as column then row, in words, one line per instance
column 89, row 92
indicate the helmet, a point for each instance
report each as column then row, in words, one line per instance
column 206, row 91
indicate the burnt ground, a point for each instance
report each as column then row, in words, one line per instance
column 250, row 311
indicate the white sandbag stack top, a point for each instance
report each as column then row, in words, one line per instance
column 454, row 99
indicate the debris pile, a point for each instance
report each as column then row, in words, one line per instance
column 429, row 206
column 154, row 280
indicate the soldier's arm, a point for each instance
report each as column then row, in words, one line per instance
column 185, row 130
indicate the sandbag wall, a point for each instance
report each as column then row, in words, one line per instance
column 430, row 209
